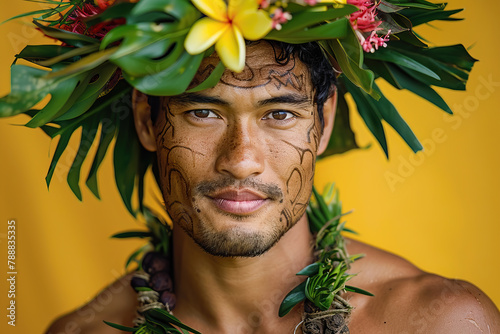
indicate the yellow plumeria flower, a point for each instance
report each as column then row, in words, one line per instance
column 227, row 26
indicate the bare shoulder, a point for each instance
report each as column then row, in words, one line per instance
column 116, row 303
column 409, row 300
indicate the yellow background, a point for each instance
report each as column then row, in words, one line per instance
column 439, row 209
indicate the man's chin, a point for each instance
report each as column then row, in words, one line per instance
column 237, row 243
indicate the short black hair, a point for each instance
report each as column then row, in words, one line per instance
column 323, row 77
column 322, row 74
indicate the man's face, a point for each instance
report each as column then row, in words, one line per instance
column 237, row 161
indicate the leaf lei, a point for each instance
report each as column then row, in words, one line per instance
column 326, row 278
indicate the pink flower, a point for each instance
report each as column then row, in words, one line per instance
column 365, row 18
column 366, row 24
column 373, row 42
column 279, row 17
column 264, row 3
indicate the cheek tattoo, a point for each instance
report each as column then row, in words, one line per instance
column 174, row 152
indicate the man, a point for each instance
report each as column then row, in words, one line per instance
column 236, row 168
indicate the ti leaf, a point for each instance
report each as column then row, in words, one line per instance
column 126, row 161
column 343, row 138
column 132, row 234
column 358, row 290
column 120, row 327
column 292, row 298
column 162, row 315
column 310, row 270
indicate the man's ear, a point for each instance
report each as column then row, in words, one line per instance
column 142, row 120
column 329, row 110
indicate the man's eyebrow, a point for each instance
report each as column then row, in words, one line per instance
column 195, row 98
column 293, row 99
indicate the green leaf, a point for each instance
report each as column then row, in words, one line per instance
column 388, row 23
column 126, row 160
column 120, row 327
column 314, row 223
column 368, row 113
column 89, row 131
column 28, row 87
column 386, row 111
column 419, row 17
column 74, row 52
column 70, row 38
column 408, row 36
column 145, row 160
column 332, row 30
column 165, row 316
column 350, row 67
column 152, row 55
column 322, row 205
column 60, row 94
column 108, row 131
column 451, row 63
column 389, row 113
column 390, row 55
column 292, row 298
column 61, row 146
column 134, row 255
column 310, row 270
column 37, row 52
column 67, row 128
column 85, row 64
column 132, row 234
column 306, row 19
column 49, row 11
column 358, row 290
column 146, row 48
column 181, row 10
column 387, row 7
column 211, row 81
column 345, row 229
column 343, row 138
column 172, row 81
column 405, row 81
column 419, row 4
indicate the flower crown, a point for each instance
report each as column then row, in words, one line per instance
column 156, row 46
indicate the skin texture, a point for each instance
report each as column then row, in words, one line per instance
column 256, row 131
column 241, row 147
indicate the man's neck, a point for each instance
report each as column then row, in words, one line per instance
column 232, row 295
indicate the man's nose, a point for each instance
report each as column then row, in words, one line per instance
column 240, row 154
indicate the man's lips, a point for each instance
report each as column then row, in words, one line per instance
column 238, row 201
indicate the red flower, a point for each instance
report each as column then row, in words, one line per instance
column 77, row 21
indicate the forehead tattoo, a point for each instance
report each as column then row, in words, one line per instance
column 261, row 69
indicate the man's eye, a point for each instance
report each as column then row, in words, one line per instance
column 203, row 113
column 279, row 115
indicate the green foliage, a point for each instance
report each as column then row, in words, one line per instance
column 148, row 52
column 158, row 234
column 158, row 321
column 292, row 298
column 326, row 277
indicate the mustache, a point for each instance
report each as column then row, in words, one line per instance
column 271, row 190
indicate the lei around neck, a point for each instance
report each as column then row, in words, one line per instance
column 325, row 279
column 107, row 48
